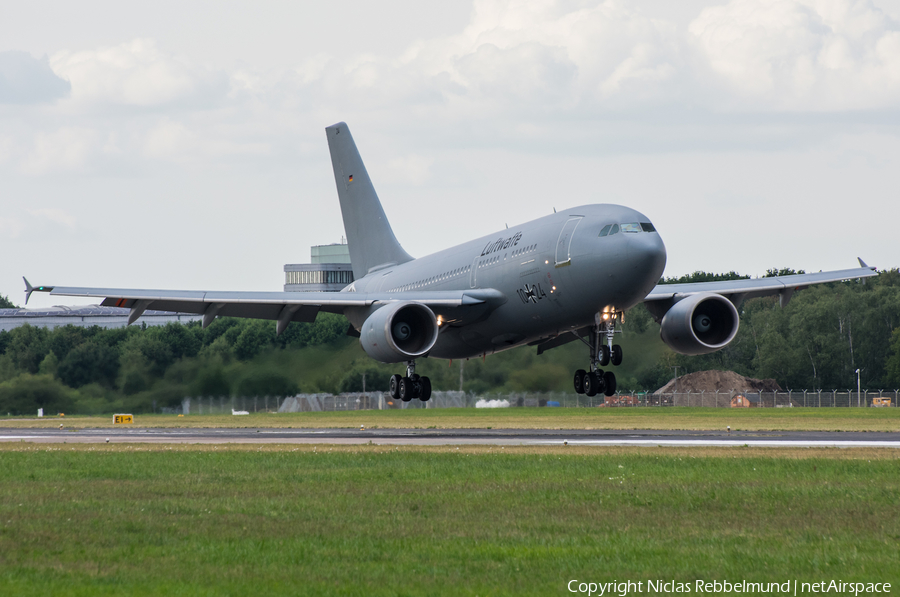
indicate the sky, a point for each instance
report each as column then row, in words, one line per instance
column 181, row 145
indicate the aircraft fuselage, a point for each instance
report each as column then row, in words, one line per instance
column 557, row 273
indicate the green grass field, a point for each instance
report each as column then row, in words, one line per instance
column 779, row 419
column 314, row 520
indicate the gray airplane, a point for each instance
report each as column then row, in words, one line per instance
column 567, row 276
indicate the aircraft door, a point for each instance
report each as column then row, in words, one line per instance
column 473, row 274
column 564, row 243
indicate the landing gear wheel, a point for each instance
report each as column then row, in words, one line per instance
column 616, row 355
column 593, row 383
column 590, row 384
column 395, row 386
column 610, row 382
column 406, row 389
column 424, row 389
column 579, row 381
column 604, row 356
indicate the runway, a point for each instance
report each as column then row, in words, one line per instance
column 440, row 437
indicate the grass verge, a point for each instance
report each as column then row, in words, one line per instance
column 373, row 520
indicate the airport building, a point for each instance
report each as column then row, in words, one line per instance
column 86, row 316
column 329, row 270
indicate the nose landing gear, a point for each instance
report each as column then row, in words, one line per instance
column 411, row 386
column 596, row 381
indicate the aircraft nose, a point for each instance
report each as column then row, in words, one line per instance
column 647, row 254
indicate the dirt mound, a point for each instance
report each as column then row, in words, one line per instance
column 723, row 381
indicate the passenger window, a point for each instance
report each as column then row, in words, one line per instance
column 631, row 227
column 605, row 230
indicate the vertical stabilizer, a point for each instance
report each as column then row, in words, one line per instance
column 369, row 236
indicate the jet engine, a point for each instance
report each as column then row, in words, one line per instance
column 399, row 331
column 699, row 324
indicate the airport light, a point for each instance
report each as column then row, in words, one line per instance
column 857, row 388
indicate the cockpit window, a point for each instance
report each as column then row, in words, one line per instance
column 605, row 230
column 647, row 227
column 615, row 229
column 631, row 227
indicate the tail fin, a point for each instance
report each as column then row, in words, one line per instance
column 371, row 241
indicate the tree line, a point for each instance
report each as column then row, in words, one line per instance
column 817, row 341
column 142, row 368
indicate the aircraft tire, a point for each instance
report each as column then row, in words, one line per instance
column 616, row 355
column 604, row 356
column 424, row 389
column 592, row 383
column 395, row 386
column 579, row 381
column 406, row 389
column 610, row 378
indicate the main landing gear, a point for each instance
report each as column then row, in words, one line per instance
column 596, row 381
column 411, row 386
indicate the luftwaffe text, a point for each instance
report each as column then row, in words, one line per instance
column 501, row 244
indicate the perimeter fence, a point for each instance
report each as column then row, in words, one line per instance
column 383, row 401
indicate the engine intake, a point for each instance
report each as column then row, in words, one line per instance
column 700, row 324
column 399, row 332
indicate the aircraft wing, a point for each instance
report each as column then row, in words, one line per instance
column 739, row 290
column 284, row 307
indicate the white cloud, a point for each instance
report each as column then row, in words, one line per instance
column 802, row 55
column 612, row 76
column 66, row 149
column 138, row 74
column 562, row 56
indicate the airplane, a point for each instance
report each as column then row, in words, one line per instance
column 568, row 276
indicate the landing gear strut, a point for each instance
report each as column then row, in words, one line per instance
column 603, row 353
column 411, row 385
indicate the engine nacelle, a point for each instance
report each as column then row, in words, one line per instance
column 700, row 324
column 399, row 332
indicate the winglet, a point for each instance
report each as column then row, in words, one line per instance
column 864, row 264
column 28, row 289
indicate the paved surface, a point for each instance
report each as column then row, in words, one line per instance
column 432, row 437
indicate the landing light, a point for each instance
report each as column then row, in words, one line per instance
column 605, row 316
column 440, row 319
